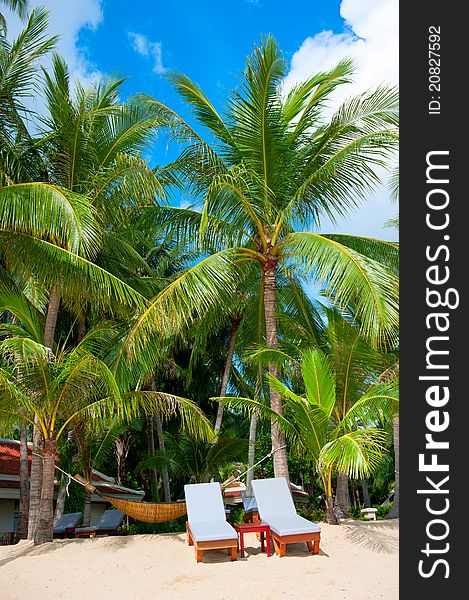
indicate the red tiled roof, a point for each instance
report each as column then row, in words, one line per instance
column 10, row 457
column 10, row 465
column 9, row 485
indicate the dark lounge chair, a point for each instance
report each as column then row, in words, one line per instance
column 65, row 526
column 108, row 524
column 250, row 508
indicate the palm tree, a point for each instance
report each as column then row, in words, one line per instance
column 335, row 430
column 60, row 390
column 354, row 364
column 273, row 164
column 25, row 320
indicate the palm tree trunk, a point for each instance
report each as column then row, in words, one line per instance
column 22, row 530
column 226, row 373
column 160, row 437
column 366, row 493
column 87, row 509
column 35, row 481
column 394, row 512
column 342, row 496
column 330, row 517
column 81, row 328
column 330, row 513
column 151, row 452
column 45, row 519
column 51, row 318
column 164, row 470
column 251, row 453
column 35, row 485
column 270, row 309
column 122, row 445
column 60, row 504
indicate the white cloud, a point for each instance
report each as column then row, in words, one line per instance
column 143, row 46
column 372, row 40
column 67, row 18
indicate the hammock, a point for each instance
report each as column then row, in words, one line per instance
column 149, row 512
column 152, row 512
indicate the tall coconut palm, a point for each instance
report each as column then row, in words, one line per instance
column 272, row 164
column 19, row 67
column 89, row 145
column 61, row 389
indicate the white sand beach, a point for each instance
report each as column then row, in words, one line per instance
column 357, row 561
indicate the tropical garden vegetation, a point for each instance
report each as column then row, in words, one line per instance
column 166, row 344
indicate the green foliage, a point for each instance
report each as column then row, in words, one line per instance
column 174, row 526
column 301, row 469
column 189, row 459
column 236, row 513
column 382, row 511
column 75, row 500
column 382, row 483
column 312, row 514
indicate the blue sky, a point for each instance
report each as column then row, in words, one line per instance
column 209, row 41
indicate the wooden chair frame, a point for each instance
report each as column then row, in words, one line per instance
column 312, row 540
column 199, row 547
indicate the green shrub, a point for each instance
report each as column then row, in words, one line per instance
column 382, row 511
column 236, row 514
column 355, row 512
column 174, row 526
column 316, row 515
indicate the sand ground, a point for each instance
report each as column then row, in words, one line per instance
column 357, row 561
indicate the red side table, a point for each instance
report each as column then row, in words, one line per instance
column 256, row 527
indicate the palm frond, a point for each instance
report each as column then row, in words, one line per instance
column 50, row 212
column 208, row 283
column 356, row 453
column 386, row 253
column 350, row 278
column 77, row 277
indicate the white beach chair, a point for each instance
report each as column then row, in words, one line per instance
column 276, row 508
column 206, row 526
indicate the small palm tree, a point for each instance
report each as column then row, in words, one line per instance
column 193, row 460
column 53, row 392
column 334, row 422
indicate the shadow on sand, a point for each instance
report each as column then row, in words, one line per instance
column 379, row 536
column 113, row 543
